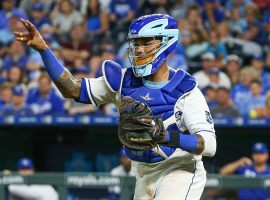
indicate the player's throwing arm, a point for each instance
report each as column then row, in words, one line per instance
column 68, row 85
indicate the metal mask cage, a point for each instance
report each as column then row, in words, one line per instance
column 133, row 58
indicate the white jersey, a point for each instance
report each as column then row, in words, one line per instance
column 190, row 113
column 32, row 192
column 182, row 107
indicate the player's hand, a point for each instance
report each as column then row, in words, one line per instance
column 32, row 37
column 244, row 162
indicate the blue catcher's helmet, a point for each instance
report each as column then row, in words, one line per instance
column 157, row 26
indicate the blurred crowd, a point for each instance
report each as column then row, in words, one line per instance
column 225, row 44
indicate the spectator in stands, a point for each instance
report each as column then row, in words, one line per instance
column 105, row 5
column 238, row 24
column 257, row 63
column 251, row 168
column 203, row 76
column 16, row 56
column 15, row 76
column 66, row 18
column 6, row 34
column 265, row 112
column 38, row 15
column 34, row 65
column 193, row 19
column 237, row 46
column 212, row 15
column 241, row 4
column 94, row 65
column 211, row 97
column 97, row 20
column 232, row 67
column 260, row 65
column 74, row 108
column 108, row 53
column 148, row 7
column 216, row 46
column 26, row 5
column 262, row 4
column 179, row 8
column 122, row 13
column 265, row 78
column 27, row 192
column 256, row 100
column 123, row 54
column 9, row 9
column 241, row 92
column 177, row 61
column 124, row 169
column 225, row 107
column 215, row 78
column 17, row 107
column 25, row 166
column 77, row 47
column 197, row 45
column 266, row 24
column 255, row 31
column 44, row 100
column 6, row 94
column 54, row 8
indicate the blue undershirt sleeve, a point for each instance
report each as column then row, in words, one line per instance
column 51, row 63
column 84, row 98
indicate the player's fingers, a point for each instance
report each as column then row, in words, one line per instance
column 146, row 120
column 23, row 21
column 29, row 26
column 21, row 34
column 22, row 39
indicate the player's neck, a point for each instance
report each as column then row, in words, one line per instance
column 161, row 75
column 260, row 168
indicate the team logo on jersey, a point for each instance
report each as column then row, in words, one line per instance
column 209, row 118
column 147, row 97
column 178, row 115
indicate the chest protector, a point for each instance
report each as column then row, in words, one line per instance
column 162, row 102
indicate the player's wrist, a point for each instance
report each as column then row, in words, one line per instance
column 173, row 139
column 185, row 142
column 43, row 48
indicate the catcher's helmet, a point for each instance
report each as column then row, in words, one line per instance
column 156, row 26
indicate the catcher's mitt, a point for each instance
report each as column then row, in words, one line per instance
column 138, row 129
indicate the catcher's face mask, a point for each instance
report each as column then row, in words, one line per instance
column 142, row 52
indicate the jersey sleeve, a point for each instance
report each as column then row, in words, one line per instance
column 196, row 119
column 23, row 191
column 96, row 92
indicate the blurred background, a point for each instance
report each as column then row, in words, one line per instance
column 224, row 44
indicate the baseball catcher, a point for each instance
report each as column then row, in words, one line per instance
column 164, row 124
